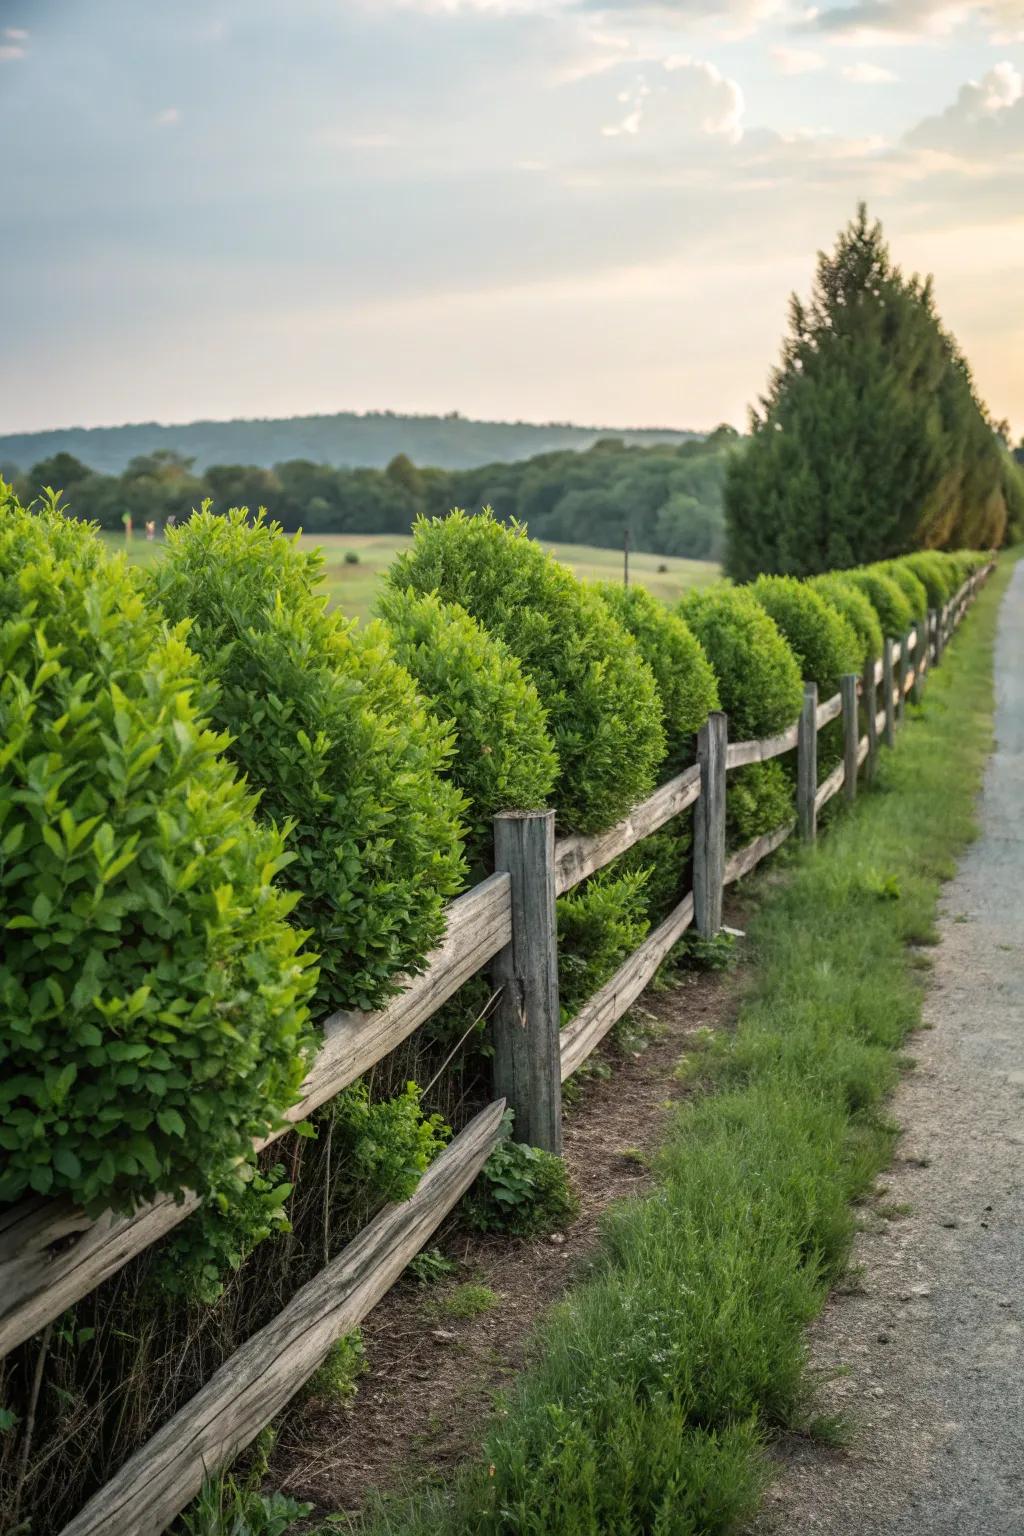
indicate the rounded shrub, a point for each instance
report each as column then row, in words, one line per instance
column 759, row 682
column 601, row 699
column 824, row 644
column 934, row 572
column 895, row 614
column 760, row 688
column 504, row 757
column 911, row 586
column 153, row 997
column 681, row 670
column 856, row 608
column 331, row 731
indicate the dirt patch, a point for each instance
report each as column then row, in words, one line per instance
column 430, row 1386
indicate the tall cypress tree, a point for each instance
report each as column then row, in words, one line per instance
column 870, row 441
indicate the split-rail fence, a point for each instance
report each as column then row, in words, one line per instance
column 52, row 1254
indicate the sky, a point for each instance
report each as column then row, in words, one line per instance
column 531, row 209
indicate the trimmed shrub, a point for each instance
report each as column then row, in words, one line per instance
column 601, row 699
column 600, row 923
column 330, row 729
column 934, row 573
column 856, row 608
column 664, row 859
column 153, row 1000
column 911, row 586
column 681, row 670
column 886, row 597
column 759, row 682
column 824, row 644
column 504, row 758
column 760, row 687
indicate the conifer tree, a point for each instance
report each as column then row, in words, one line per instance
column 871, row 440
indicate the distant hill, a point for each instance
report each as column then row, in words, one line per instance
column 346, row 438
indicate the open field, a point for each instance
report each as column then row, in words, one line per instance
column 353, row 587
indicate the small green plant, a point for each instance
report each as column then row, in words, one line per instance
column 469, row 1300
column 226, row 1507
column 714, row 954
column 599, row 924
column 885, row 887
column 431, row 1266
column 383, row 1146
column 521, row 1190
column 194, row 1260
column 351, row 557
column 338, row 1373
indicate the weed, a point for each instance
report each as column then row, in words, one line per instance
column 469, row 1300
column 521, row 1190
column 430, row 1266
column 336, row 1377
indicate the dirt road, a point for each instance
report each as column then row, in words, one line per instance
column 935, row 1341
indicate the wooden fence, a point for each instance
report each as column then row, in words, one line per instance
column 52, row 1254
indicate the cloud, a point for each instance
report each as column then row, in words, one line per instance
column 797, row 61
column 12, row 44
column 909, row 21
column 868, row 74
column 685, row 99
column 986, row 122
column 170, row 117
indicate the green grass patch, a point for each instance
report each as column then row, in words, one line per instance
column 469, row 1300
column 657, row 1381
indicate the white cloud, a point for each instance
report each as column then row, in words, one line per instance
column 687, row 98
column 797, row 61
column 868, row 74
column 985, row 122
column 168, row 118
column 13, row 43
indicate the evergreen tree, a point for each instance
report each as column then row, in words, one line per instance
column 871, row 440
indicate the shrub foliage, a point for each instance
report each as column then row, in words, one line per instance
column 504, row 757
column 153, row 1000
column 330, row 729
column 601, row 699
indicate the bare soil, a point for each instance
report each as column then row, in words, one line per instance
column 431, row 1382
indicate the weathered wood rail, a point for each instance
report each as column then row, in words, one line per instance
column 52, row 1254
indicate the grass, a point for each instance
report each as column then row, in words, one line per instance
column 656, row 1383
column 469, row 1300
column 353, row 588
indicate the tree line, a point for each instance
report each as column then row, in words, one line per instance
column 668, row 497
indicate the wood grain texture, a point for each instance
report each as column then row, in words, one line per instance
column 600, row 1012
column 888, row 699
column 807, row 765
column 745, row 859
column 830, row 786
column 851, row 729
column 901, row 682
column 709, row 825
column 869, row 700
column 830, row 710
column 52, row 1254
column 157, row 1482
column 863, row 748
column 577, row 857
column 740, row 753
column 525, row 1026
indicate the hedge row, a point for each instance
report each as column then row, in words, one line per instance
column 224, row 808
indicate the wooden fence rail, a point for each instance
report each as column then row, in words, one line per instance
column 51, row 1254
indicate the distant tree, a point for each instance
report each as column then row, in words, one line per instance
column 871, row 440
column 61, row 472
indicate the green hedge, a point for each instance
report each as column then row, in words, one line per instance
column 504, row 756
column 911, row 586
column 823, row 642
column 761, row 690
column 685, row 679
column 331, row 731
column 937, row 575
column 894, row 611
column 856, row 608
column 153, row 1000
column 602, row 702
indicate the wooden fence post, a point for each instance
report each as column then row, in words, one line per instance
column 869, row 697
column 709, row 826
column 920, row 659
column 526, row 1031
column 888, row 691
column 807, row 764
column 933, row 636
column 901, row 702
column 851, row 733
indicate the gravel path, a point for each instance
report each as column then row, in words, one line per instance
column 934, row 1343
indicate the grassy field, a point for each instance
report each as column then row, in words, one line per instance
column 353, row 587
